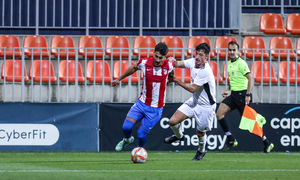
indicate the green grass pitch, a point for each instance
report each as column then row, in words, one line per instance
column 160, row 165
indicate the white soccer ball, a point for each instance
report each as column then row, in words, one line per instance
column 139, row 155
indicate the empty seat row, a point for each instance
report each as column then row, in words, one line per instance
column 43, row 71
column 118, row 46
column 272, row 23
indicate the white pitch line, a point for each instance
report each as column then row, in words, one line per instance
column 108, row 171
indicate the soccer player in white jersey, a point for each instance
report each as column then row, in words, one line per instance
column 149, row 105
column 202, row 104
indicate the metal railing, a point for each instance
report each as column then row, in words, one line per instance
column 283, row 5
column 30, row 90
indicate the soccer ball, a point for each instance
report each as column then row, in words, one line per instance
column 139, row 155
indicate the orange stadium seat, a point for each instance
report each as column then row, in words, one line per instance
column 13, row 70
column 293, row 23
column 97, row 66
column 147, row 42
column 62, row 45
column 38, row 75
column 283, row 72
column 271, row 23
column 221, row 44
column 255, row 47
column 174, row 42
column 36, row 46
column 216, row 71
column 86, row 45
column 265, row 76
column 298, row 46
column 70, row 73
column 9, row 46
column 282, row 43
column 117, row 46
column 187, row 74
column 196, row 40
column 124, row 66
column 225, row 73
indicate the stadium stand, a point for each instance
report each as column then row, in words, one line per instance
column 120, row 67
column 216, row 71
column 90, row 46
column 298, row 47
column 254, row 46
column 36, row 46
column 117, row 46
column 221, row 45
column 94, row 71
column 293, row 23
column 196, row 40
column 175, row 45
column 262, row 72
column 67, row 71
column 9, row 46
column 12, row 70
column 39, row 71
column 225, row 73
column 63, row 46
column 271, row 23
column 280, row 46
column 186, row 76
column 147, row 42
column 283, row 72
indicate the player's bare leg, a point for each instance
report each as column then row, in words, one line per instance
column 221, row 112
column 175, row 121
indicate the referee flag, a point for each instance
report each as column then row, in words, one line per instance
column 252, row 121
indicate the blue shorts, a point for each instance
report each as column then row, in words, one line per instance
column 148, row 115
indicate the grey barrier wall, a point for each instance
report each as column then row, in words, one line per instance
column 282, row 128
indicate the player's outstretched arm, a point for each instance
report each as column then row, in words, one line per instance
column 176, row 63
column 187, row 86
column 132, row 69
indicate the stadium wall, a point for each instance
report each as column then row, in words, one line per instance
column 282, row 128
column 98, row 127
column 49, row 127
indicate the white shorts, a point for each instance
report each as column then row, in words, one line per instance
column 203, row 115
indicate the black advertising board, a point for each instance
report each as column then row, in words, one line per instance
column 282, row 128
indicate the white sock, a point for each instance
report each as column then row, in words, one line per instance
column 177, row 130
column 128, row 139
column 228, row 133
column 202, row 143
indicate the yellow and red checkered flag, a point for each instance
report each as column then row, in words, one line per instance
column 252, row 121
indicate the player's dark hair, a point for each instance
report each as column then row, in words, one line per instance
column 162, row 48
column 234, row 43
column 203, row 46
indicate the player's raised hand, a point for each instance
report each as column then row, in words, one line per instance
column 171, row 59
column 171, row 77
column 225, row 93
column 114, row 83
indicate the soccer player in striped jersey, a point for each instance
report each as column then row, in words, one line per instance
column 202, row 104
column 149, row 105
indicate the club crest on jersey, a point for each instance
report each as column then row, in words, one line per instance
column 232, row 73
column 165, row 71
